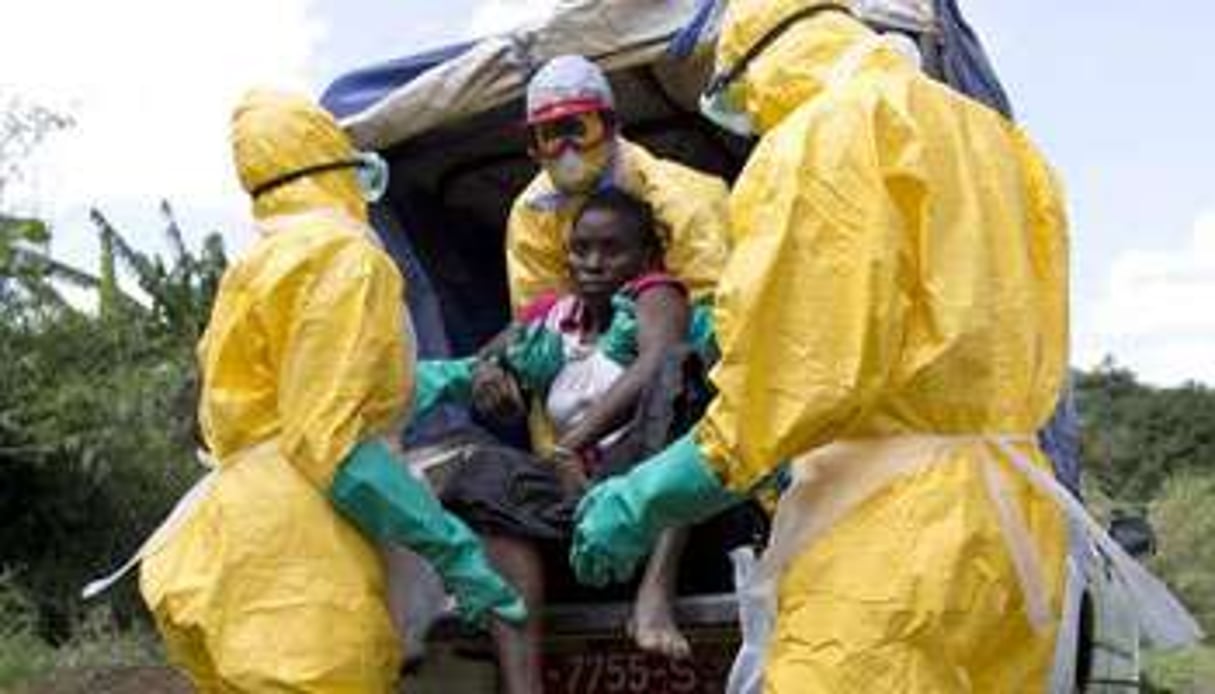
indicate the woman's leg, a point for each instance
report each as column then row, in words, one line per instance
column 653, row 625
column 518, row 649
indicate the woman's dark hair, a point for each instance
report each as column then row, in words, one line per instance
column 637, row 215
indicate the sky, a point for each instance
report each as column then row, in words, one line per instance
column 1113, row 93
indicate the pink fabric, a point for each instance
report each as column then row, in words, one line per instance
column 539, row 307
column 650, row 280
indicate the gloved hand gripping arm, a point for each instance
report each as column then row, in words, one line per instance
column 621, row 518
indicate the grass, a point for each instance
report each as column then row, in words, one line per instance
column 23, row 656
column 97, row 644
column 1189, row 671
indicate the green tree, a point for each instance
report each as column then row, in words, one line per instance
column 180, row 288
column 1137, row 436
column 97, row 417
column 97, row 409
column 1184, row 515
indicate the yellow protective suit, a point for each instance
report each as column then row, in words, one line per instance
column 899, row 269
column 689, row 204
column 264, row 587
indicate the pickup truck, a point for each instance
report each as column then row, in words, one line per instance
column 448, row 123
column 586, row 652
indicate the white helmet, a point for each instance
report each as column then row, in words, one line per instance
column 567, row 85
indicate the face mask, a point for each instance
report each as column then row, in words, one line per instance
column 372, row 173
column 572, row 172
column 719, row 109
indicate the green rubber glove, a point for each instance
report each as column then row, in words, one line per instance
column 620, row 519
column 701, row 333
column 619, row 341
column 535, row 356
column 387, row 504
column 437, row 381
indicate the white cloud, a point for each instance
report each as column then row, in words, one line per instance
column 1158, row 312
column 151, row 85
column 497, row 16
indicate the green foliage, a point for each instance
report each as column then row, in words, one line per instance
column 1190, row 671
column 97, row 413
column 1184, row 518
column 1137, row 436
column 97, row 643
column 1149, row 449
column 180, row 288
column 93, row 451
column 23, row 655
column 97, row 428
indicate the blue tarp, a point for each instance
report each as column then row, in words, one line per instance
column 964, row 62
column 965, row 65
column 356, row 91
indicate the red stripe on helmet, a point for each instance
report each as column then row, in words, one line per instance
column 561, row 109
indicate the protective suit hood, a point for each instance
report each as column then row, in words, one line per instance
column 275, row 134
column 801, row 63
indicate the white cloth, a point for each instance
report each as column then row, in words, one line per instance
column 585, row 377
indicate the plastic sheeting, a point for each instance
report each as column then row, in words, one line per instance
column 965, row 65
column 614, row 33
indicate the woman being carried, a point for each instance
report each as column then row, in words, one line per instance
column 609, row 362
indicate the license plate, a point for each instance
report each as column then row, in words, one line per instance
column 616, row 667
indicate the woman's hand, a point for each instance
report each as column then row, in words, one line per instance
column 570, row 472
column 496, row 394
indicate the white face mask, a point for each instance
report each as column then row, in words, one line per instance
column 372, row 174
column 716, row 107
column 570, row 171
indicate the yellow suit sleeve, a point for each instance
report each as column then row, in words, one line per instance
column 535, row 252
column 692, row 206
column 343, row 374
column 810, row 309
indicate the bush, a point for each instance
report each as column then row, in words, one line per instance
column 1191, row 671
column 1184, row 518
column 96, row 455
column 23, row 656
column 1135, row 436
column 97, row 420
column 97, row 642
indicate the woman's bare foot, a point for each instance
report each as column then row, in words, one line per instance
column 653, row 627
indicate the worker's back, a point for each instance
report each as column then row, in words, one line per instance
column 985, row 270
